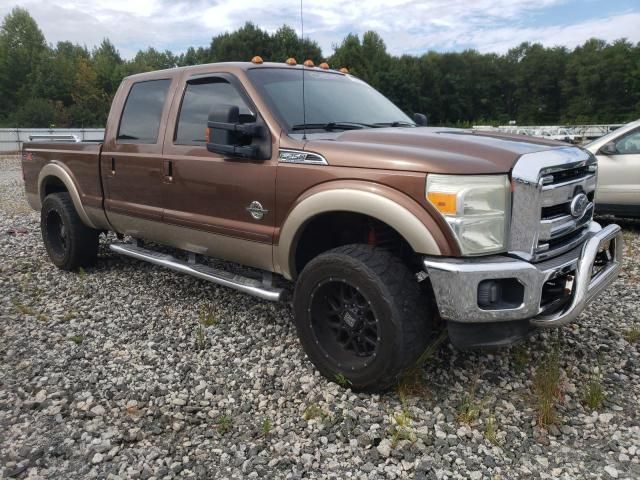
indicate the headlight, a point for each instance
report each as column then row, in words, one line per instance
column 475, row 207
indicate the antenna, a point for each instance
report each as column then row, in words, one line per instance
column 304, row 106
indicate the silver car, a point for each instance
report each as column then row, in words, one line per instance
column 618, row 154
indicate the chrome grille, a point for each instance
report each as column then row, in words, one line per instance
column 544, row 186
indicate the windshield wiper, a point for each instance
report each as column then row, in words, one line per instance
column 397, row 123
column 332, row 126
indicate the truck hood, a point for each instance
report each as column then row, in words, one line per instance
column 426, row 149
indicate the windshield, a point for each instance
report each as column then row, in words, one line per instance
column 333, row 101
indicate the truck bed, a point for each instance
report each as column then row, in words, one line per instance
column 81, row 160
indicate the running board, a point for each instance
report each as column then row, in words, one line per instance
column 244, row 284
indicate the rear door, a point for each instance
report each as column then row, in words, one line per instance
column 131, row 161
column 619, row 173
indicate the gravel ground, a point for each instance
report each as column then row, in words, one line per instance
column 110, row 373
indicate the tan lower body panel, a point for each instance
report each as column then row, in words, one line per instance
column 246, row 252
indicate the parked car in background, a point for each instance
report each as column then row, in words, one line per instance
column 618, row 154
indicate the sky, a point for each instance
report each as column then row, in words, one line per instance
column 407, row 26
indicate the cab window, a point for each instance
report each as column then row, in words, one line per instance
column 199, row 96
column 142, row 112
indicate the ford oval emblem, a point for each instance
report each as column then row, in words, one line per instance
column 579, row 205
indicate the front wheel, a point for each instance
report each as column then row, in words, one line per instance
column 361, row 316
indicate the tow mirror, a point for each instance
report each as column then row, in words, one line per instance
column 227, row 136
column 420, row 119
column 608, row 149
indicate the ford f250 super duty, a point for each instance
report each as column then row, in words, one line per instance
column 387, row 228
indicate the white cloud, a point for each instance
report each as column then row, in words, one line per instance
column 407, row 26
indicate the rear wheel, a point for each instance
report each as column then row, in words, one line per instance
column 69, row 242
column 361, row 316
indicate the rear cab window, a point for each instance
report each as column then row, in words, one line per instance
column 142, row 113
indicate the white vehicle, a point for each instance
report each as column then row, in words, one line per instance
column 618, row 154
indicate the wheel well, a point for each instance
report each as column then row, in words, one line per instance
column 52, row 185
column 334, row 229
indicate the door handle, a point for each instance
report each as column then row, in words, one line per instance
column 113, row 166
column 167, row 170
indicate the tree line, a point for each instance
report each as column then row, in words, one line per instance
column 68, row 85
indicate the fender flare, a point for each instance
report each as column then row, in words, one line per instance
column 58, row 171
column 367, row 199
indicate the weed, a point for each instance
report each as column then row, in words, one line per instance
column 77, row 339
column 469, row 409
column 82, row 273
column 431, row 349
column 593, row 394
column 343, row 381
column 491, row 431
column 314, row 411
column 42, row 317
column 22, row 308
column 401, row 427
column 68, row 316
column 412, row 384
column 208, row 316
column 520, row 357
column 547, row 388
column 223, row 425
column 633, row 335
column 265, row 427
column 201, row 339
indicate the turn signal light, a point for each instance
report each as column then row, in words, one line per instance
column 257, row 59
column 444, row 202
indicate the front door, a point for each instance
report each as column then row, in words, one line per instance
column 226, row 203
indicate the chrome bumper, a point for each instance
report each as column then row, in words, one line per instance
column 455, row 281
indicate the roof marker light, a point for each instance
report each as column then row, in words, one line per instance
column 309, row 63
column 257, row 59
column 324, row 66
column 344, row 70
column 291, row 61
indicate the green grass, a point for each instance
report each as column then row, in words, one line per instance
column 265, row 427
column 77, row 339
column 224, row 424
column 401, row 427
column 547, row 388
column 341, row 380
column 470, row 408
column 201, row 339
column 208, row 316
column 520, row 357
column 633, row 335
column 21, row 308
column 491, row 431
column 593, row 393
column 314, row 411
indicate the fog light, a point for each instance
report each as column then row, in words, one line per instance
column 500, row 294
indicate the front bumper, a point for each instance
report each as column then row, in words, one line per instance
column 456, row 282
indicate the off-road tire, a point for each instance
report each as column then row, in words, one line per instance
column 401, row 310
column 69, row 242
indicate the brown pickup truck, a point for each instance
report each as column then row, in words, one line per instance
column 387, row 228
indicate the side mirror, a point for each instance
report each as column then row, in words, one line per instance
column 420, row 119
column 227, row 136
column 608, row 149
